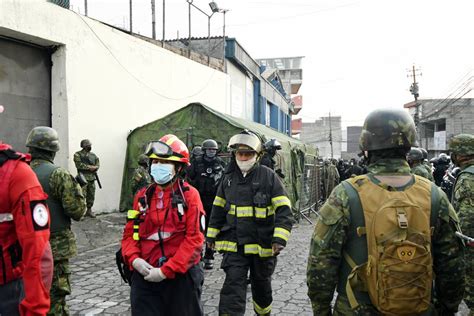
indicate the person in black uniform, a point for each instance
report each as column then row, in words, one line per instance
column 250, row 223
column 205, row 174
column 270, row 149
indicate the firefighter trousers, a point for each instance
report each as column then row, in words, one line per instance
column 178, row 296
column 233, row 294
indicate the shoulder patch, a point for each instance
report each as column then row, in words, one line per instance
column 40, row 215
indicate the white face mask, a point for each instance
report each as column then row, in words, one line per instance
column 246, row 165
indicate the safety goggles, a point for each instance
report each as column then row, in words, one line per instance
column 160, row 149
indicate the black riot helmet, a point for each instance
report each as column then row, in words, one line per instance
column 272, row 145
column 209, row 148
column 443, row 159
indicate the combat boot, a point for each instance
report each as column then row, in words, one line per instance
column 90, row 213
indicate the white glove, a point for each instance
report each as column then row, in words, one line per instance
column 142, row 266
column 155, row 275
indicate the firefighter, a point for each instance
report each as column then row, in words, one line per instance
column 250, row 224
column 27, row 263
column 163, row 239
column 205, row 174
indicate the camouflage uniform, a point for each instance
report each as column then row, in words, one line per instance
column 331, row 178
column 326, row 253
column 420, row 170
column 84, row 160
column 386, row 133
column 462, row 146
column 64, row 191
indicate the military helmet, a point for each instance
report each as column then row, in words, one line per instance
column 387, row 128
column 245, row 138
column 425, row 153
column 143, row 159
column 443, row 158
column 209, row 144
column 85, row 143
column 415, row 154
column 272, row 144
column 43, row 137
column 462, row 144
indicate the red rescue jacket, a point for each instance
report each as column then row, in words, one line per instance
column 24, row 232
column 181, row 234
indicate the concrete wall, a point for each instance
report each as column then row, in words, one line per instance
column 317, row 133
column 105, row 83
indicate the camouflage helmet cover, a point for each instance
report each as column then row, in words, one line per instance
column 425, row 153
column 43, row 137
column 85, row 143
column 387, row 128
column 245, row 138
column 415, row 154
column 462, row 144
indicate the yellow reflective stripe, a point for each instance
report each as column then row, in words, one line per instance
column 244, row 211
column 224, row 245
column 256, row 249
column 262, row 310
column 132, row 214
column 218, row 201
column 280, row 200
column 212, row 232
column 281, row 233
column 271, row 210
column 232, row 210
column 260, row 212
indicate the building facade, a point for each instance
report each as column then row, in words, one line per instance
column 325, row 134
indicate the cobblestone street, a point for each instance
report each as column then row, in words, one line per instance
column 98, row 289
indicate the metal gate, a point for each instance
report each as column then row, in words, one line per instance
column 25, row 90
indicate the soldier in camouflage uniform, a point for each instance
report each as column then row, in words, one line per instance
column 87, row 163
column 65, row 202
column 427, row 164
column 462, row 154
column 331, row 177
column 386, row 137
column 415, row 160
column 141, row 177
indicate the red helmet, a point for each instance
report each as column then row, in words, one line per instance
column 169, row 147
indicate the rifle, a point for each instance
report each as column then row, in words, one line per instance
column 97, row 179
column 87, row 161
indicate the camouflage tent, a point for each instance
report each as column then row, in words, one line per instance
column 197, row 122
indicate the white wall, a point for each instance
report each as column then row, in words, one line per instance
column 241, row 93
column 105, row 83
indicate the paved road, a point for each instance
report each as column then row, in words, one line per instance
column 98, row 289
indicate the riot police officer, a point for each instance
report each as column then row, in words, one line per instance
column 441, row 164
column 66, row 202
column 205, row 174
column 268, row 159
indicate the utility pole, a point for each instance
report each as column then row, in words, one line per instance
column 85, row 7
column 415, row 92
column 153, row 22
column 330, row 135
column 163, row 39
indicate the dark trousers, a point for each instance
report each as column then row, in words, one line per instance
column 178, row 296
column 207, row 204
column 11, row 294
column 233, row 293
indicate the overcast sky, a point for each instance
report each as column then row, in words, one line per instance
column 357, row 52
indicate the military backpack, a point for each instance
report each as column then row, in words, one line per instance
column 388, row 257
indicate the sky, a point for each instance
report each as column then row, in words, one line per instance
column 358, row 53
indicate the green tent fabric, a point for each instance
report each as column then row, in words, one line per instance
column 196, row 122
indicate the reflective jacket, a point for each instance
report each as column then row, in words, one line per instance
column 252, row 211
column 157, row 218
column 25, row 251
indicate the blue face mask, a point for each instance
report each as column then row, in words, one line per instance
column 162, row 173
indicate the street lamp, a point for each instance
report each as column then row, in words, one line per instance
column 190, row 2
column 215, row 9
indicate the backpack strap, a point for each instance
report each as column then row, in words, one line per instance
column 355, row 251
